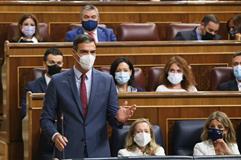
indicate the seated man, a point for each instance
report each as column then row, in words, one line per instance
column 206, row 31
column 53, row 63
column 233, row 85
column 90, row 19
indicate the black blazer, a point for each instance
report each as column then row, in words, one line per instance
column 191, row 35
column 228, row 86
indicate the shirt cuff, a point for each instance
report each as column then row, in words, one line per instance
column 54, row 136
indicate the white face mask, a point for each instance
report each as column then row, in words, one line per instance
column 86, row 61
column 175, row 78
column 28, row 31
column 142, row 139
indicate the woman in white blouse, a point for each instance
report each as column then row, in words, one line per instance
column 177, row 77
column 140, row 141
column 218, row 136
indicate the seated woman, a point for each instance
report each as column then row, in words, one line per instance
column 123, row 73
column 28, row 30
column 140, row 140
column 218, row 136
column 177, row 77
column 234, row 27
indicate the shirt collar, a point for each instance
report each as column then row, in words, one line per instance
column 198, row 33
column 78, row 74
column 47, row 78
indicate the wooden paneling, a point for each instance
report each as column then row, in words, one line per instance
column 160, row 108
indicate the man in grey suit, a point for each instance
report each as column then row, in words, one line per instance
column 83, row 100
column 207, row 30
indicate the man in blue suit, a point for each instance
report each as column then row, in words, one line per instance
column 83, row 99
column 53, row 63
column 206, row 31
column 90, row 19
column 235, row 84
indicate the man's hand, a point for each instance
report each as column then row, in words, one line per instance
column 125, row 112
column 60, row 142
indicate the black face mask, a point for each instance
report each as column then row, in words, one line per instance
column 208, row 36
column 53, row 69
column 232, row 33
column 215, row 134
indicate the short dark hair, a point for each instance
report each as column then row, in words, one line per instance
column 83, row 38
column 210, row 18
column 237, row 54
column 116, row 63
column 53, row 51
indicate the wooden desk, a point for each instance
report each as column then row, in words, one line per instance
column 21, row 58
column 160, row 108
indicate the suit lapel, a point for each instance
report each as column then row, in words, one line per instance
column 194, row 34
column 72, row 83
column 43, row 84
column 100, row 35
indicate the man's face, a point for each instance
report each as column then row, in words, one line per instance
column 236, row 61
column 211, row 28
column 52, row 60
column 90, row 15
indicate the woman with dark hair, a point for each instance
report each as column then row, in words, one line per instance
column 28, row 30
column 218, row 136
column 177, row 77
column 123, row 73
column 234, row 27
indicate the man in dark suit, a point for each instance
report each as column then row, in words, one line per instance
column 90, row 19
column 83, row 99
column 52, row 62
column 206, row 31
column 233, row 85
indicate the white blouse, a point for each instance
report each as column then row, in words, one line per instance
column 163, row 88
column 125, row 153
column 207, row 148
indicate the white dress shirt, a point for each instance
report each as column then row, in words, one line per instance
column 207, row 148
column 125, row 153
column 47, row 78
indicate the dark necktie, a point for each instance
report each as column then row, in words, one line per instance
column 83, row 94
column 91, row 34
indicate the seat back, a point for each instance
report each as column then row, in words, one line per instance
column 220, row 75
column 43, row 31
column 154, row 77
column 118, row 137
column 138, row 32
column 179, row 27
column 139, row 76
column 185, row 134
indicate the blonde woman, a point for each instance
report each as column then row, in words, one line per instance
column 140, row 141
column 218, row 136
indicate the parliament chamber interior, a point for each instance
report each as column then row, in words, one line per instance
column 145, row 33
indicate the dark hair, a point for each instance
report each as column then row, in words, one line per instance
column 53, row 51
column 237, row 22
column 237, row 54
column 20, row 23
column 83, row 38
column 210, row 18
column 188, row 78
column 115, row 65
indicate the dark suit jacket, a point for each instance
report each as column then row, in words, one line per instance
column 191, row 35
column 37, row 86
column 103, row 34
column 45, row 146
column 84, row 134
column 228, row 86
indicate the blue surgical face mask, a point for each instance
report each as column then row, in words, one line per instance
column 215, row 134
column 237, row 72
column 89, row 25
column 175, row 78
column 28, row 31
column 122, row 77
